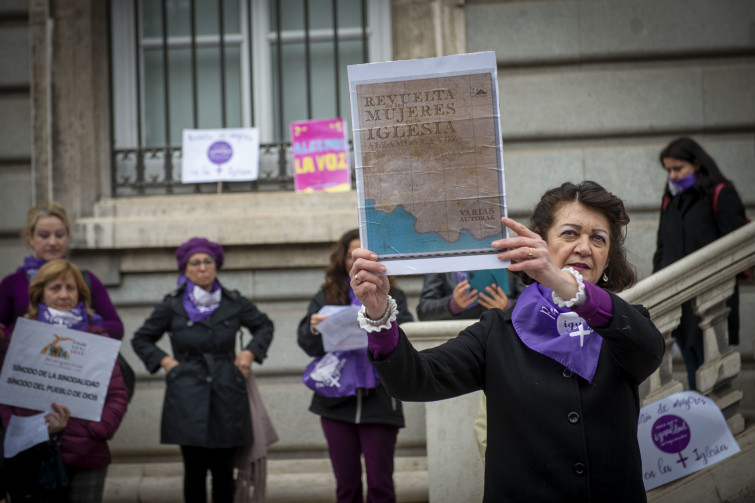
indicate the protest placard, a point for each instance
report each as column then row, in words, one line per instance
column 321, row 156
column 429, row 162
column 220, row 155
column 49, row 363
column 681, row 434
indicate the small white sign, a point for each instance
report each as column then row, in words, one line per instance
column 220, row 155
column 681, row 434
column 50, row 363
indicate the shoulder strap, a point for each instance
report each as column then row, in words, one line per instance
column 666, row 200
column 719, row 187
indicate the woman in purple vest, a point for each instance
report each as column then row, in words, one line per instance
column 365, row 421
column 47, row 232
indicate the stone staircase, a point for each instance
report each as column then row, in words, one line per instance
column 289, row 481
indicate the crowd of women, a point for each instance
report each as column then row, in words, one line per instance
column 574, row 432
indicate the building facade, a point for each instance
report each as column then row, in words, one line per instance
column 94, row 94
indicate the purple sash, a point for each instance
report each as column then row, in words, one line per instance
column 556, row 332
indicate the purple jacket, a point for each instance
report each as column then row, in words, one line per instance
column 83, row 443
column 14, row 302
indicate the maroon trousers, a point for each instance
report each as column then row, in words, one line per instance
column 346, row 443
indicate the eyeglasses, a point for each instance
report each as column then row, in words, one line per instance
column 196, row 263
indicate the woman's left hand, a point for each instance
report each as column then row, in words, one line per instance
column 528, row 252
column 244, row 361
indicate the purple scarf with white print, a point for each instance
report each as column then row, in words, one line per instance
column 197, row 310
column 556, row 332
column 77, row 318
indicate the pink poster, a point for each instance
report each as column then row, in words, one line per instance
column 321, row 156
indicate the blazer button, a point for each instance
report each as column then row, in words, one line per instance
column 226, row 323
column 567, row 372
column 189, row 323
column 573, row 417
column 208, row 379
column 579, row 468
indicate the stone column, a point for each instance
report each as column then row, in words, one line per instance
column 721, row 364
column 662, row 383
column 70, row 103
column 428, row 28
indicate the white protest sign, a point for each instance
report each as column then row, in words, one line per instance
column 681, row 434
column 220, row 155
column 49, row 363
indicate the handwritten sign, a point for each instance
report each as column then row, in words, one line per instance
column 220, row 155
column 321, row 157
column 49, row 363
column 681, row 434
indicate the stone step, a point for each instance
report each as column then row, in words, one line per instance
column 288, row 481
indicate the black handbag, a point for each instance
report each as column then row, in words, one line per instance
column 36, row 472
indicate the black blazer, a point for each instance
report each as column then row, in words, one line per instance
column 552, row 436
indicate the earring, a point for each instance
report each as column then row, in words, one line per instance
column 605, row 278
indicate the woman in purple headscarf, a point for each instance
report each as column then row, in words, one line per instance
column 47, row 233
column 560, row 369
column 206, row 409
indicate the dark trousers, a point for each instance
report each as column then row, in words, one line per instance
column 197, row 460
column 346, row 443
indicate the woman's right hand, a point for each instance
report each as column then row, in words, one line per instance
column 168, row 363
column 369, row 282
column 57, row 420
column 315, row 320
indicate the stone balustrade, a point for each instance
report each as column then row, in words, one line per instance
column 707, row 277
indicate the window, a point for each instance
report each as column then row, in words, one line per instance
column 277, row 61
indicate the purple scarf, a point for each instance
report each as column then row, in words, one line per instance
column 556, row 332
column 198, row 311
column 77, row 318
column 682, row 184
column 32, row 265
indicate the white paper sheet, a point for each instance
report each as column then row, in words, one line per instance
column 340, row 330
column 24, row 433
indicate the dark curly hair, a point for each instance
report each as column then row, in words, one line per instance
column 621, row 274
column 337, row 278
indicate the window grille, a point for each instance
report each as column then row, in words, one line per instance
column 205, row 64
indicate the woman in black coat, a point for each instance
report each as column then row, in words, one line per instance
column 560, row 370
column 206, row 409
column 699, row 206
column 367, row 421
